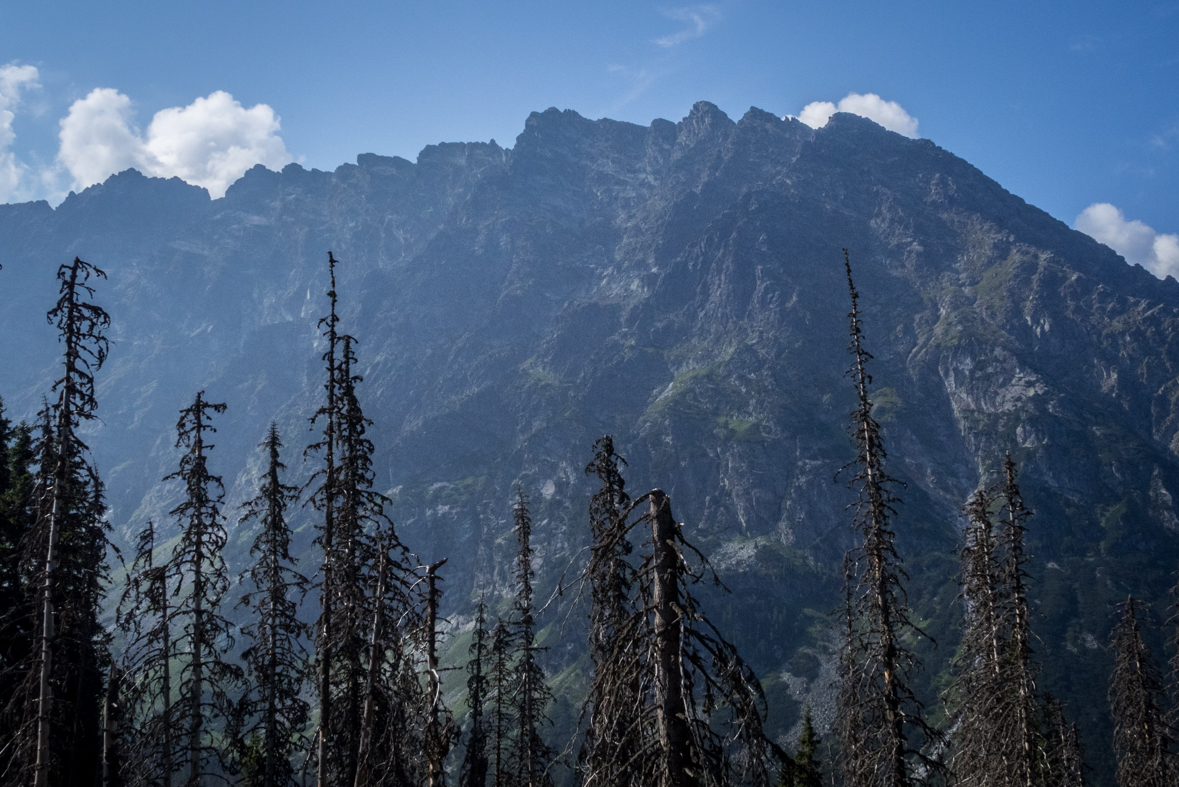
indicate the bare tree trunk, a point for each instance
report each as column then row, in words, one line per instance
column 45, row 697
column 436, row 743
column 198, row 636
column 109, row 728
column 166, row 685
column 674, row 731
column 329, row 525
column 367, row 718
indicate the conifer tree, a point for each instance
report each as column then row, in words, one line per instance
column 276, row 657
column 532, row 755
column 502, row 706
column 144, row 616
column 323, row 498
column 365, row 679
column 609, row 748
column 200, row 580
column 698, row 710
column 1143, row 740
column 980, row 702
column 58, row 737
column 376, row 671
column 475, row 759
column 439, row 727
column 17, row 512
column 708, row 705
column 805, row 770
column 1063, row 754
column 1018, row 670
column 878, row 718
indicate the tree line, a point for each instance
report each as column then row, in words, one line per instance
column 173, row 694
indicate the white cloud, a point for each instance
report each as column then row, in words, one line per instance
column 98, row 140
column 14, row 175
column 889, row 114
column 209, row 143
column 1137, row 242
column 817, row 113
column 699, row 19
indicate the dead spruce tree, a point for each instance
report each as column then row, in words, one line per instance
column 326, row 489
column 533, row 756
column 610, row 713
column 276, row 657
column 63, row 557
column 879, row 721
column 1066, row 761
column 199, row 580
column 475, row 761
column 439, row 728
column 502, row 711
column 379, row 687
column 363, row 672
column 1002, row 731
column 706, row 703
column 1017, row 669
column 1143, row 740
column 978, row 703
column 144, row 618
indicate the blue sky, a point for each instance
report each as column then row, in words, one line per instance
column 1067, row 105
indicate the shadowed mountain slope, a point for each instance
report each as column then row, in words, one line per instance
column 679, row 286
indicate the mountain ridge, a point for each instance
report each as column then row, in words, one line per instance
column 680, row 286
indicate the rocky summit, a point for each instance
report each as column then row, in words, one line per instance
column 678, row 286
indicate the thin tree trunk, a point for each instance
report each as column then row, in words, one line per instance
column 434, row 735
column 329, row 526
column 45, row 699
column 674, row 731
column 166, row 684
column 370, row 689
column 194, row 699
column 109, row 729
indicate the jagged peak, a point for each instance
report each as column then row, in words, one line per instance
column 131, row 184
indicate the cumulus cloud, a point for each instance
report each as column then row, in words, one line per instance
column 210, row 143
column 14, row 80
column 698, row 18
column 889, row 114
column 1134, row 240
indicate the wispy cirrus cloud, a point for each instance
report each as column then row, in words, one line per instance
column 697, row 20
column 1085, row 44
column 1136, row 241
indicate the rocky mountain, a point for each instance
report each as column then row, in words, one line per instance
column 679, row 286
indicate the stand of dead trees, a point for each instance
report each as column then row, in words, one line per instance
column 669, row 700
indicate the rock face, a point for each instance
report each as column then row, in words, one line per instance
column 679, row 286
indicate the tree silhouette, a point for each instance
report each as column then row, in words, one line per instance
column 323, row 498
column 276, row 658
column 532, row 755
column 475, row 760
column 63, row 558
column 439, row 729
column 200, row 580
column 879, row 721
column 1143, row 740
column 502, row 707
column 610, row 713
column 144, row 617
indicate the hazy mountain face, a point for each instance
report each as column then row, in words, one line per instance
column 681, row 287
